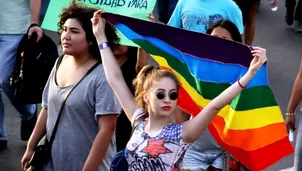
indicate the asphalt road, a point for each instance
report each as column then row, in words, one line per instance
column 284, row 52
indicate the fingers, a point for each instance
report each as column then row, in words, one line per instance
column 290, row 126
column 259, row 53
column 30, row 32
column 97, row 14
column 40, row 35
column 36, row 30
column 151, row 17
column 96, row 17
column 24, row 165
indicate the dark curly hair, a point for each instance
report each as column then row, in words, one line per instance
column 83, row 15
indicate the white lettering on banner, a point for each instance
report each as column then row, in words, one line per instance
column 141, row 4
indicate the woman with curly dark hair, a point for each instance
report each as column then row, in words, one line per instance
column 84, row 138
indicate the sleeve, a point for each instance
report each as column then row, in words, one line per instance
column 237, row 18
column 44, row 103
column 105, row 100
column 175, row 20
column 45, row 95
column 137, row 114
column 176, row 131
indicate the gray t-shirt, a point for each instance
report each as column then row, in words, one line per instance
column 78, row 126
column 14, row 16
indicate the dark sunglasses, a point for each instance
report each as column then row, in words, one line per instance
column 161, row 95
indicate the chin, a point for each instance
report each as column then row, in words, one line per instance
column 67, row 51
column 165, row 114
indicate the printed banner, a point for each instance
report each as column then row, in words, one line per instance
column 132, row 8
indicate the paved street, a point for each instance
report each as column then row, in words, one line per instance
column 284, row 53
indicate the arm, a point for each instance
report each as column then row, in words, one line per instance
column 38, row 132
column 296, row 92
column 294, row 101
column 116, row 80
column 195, row 127
column 35, row 6
column 106, row 124
column 142, row 59
column 112, row 69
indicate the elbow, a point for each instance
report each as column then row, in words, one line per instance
column 216, row 109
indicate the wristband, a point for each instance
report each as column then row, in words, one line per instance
column 240, row 84
column 33, row 25
column 103, row 45
column 290, row 114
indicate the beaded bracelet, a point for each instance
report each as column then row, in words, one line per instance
column 290, row 114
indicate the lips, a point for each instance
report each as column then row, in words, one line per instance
column 166, row 108
column 66, row 44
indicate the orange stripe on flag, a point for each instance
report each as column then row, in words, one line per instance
column 239, row 138
column 261, row 158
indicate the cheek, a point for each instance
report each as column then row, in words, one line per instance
column 80, row 39
column 81, row 43
column 62, row 36
column 154, row 103
column 173, row 103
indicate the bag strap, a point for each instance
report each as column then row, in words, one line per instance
column 65, row 98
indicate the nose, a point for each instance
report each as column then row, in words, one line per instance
column 167, row 99
column 65, row 36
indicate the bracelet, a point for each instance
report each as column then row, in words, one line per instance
column 290, row 114
column 103, row 45
column 240, row 84
column 33, row 25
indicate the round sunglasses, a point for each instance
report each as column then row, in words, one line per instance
column 161, row 95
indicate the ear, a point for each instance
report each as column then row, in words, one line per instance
column 146, row 97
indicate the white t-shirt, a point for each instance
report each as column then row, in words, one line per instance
column 162, row 151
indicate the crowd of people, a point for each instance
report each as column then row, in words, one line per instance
column 119, row 101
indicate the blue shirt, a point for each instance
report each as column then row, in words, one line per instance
column 198, row 15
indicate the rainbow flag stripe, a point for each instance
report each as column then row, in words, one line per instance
column 251, row 127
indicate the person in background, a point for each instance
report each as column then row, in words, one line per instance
column 290, row 120
column 294, row 14
column 16, row 17
column 199, row 15
column 205, row 154
column 155, row 137
column 85, row 136
column 165, row 9
column 249, row 10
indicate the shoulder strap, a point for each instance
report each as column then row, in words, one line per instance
column 59, row 62
column 65, row 98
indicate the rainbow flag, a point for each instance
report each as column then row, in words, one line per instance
column 251, row 127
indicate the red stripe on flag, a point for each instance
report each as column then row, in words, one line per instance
column 259, row 159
